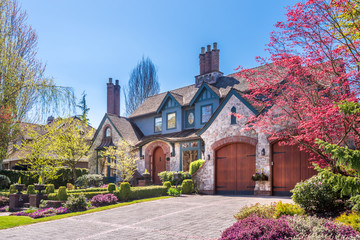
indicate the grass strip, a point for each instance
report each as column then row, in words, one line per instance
column 15, row 221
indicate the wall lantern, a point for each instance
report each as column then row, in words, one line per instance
column 208, row 157
column 263, row 152
column 167, row 159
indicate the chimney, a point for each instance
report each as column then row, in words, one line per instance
column 202, row 61
column 215, row 58
column 117, row 98
column 110, row 96
column 208, row 59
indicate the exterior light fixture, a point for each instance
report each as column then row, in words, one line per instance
column 263, row 152
column 208, row 157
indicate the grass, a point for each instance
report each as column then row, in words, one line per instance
column 15, row 221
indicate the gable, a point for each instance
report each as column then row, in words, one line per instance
column 204, row 93
column 168, row 102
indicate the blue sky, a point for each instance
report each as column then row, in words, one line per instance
column 84, row 42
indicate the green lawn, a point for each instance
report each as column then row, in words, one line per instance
column 14, row 221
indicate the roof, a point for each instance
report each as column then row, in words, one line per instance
column 184, row 95
column 185, row 135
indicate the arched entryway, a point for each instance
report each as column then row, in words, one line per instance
column 159, row 164
column 234, row 165
column 290, row 166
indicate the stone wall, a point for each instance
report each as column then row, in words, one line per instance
column 223, row 132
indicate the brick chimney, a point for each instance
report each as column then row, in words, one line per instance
column 113, row 97
column 209, row 66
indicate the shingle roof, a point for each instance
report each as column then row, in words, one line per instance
column 128, row 130
column 185, row 135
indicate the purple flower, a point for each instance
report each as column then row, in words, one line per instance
column 103, row 200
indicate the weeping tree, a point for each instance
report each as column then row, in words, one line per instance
column 142, row 84
column 25, row 93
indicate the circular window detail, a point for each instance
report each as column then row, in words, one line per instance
column 191, row 118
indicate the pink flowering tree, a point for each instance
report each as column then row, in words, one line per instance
column 313, row 66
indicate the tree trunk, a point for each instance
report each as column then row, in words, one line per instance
column 73, row 168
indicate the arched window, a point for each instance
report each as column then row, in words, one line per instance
column 107, row 132
column 233, row 118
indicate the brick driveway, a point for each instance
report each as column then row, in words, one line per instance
column 187, row 217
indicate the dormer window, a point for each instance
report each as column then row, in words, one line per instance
column 206, row 112
column 108, row 132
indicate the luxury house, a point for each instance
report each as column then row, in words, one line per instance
column 174, row 128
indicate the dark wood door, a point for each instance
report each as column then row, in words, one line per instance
column 290, row 166
column 159, row 164
column 235, row 164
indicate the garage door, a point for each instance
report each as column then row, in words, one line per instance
column 290, row 166
column 234, row 166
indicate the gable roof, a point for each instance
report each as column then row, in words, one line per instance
column 170, row 95
column 203, row 86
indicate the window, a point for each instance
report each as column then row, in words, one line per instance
column 206, row 112
column 108, row 132
column 158, row 124
column 189, row 118
column 233, row 118
column 171, row 120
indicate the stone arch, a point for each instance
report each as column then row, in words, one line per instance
column 149, row 151
column 233, row 139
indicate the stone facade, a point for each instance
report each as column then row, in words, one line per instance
column 222, row 132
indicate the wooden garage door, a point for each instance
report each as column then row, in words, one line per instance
column 290, row 166
column 235, row 164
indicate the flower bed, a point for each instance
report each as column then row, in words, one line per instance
column 47, row 212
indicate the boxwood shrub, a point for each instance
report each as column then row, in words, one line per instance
column 195, row 165
column 50, row 188
column 31, row 189
column 111, row 187
column 147, row 192
column 88, row 190
column 62, row 194
column 89, row 195
column 169, row 176
column 187, row 186
column 167, row 184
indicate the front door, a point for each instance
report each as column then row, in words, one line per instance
column 159, row 164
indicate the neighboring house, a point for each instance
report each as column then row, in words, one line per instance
column 15, row 156
column 172, row 129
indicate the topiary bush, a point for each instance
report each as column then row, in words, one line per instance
column 254, row 227
column 125, row 191
column 103, row 200
column 50, row 188
column 195, row 165
column 62, row 194
column 70, row 186
column 12, row 188
column 111, row 187
column 187, row 186
column 316, row 196
column 4, row 182
column 287, row 209
column 167, row 184
column 90, row 180
column 147, row 192
column 263, row 211
column 168, row 176
column 76, row 203
column 90, row 195
column 31, row 189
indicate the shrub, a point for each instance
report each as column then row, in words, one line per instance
column 288, row 209
column 4, row 182
column 147, row 192
column 88, row 190
column 168, row 176
column 125, row 191
column 12, row 188
column 62, row 194
column 76, row 203
column 70, row 186
column 167, row 184
column 352, row 219
column 90, row 195
column 263, row 211
column 90, row 180
column 53, row 196
column 311, row 227
column 187, row 186
column 50, row 188
column 255, row 227
column 4, row 201
column 195, row 165
column 103, row 200
column 316, row 196
column 174, row 192
column 31, row 189
column 111, row 187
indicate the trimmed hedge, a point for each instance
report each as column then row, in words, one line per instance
column 50, row 188
column 143, row 192
column 88, row 190
column 29, row 178
column 112, row 187
column 169, row 176
column 89, row 195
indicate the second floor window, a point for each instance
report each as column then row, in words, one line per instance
column 171, row 120
column 206, row 112
column 108, row 132
column 158, row 124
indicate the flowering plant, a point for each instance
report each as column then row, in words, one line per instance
column 259, row 176
column 103, row 200
column 4, row 209
column 47, row 212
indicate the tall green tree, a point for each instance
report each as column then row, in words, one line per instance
column 84, row 109
column 142, row 84
column 24, row 90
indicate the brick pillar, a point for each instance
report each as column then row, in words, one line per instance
column 208, row 59
column 110, row 97
column 202, row 61
column 117, row 98
column 215, row 58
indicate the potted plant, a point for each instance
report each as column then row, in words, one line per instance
column 259, row 176
column 19, row 186
column 40, row 186
column 146, row 175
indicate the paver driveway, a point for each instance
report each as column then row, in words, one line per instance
column 187, row 217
